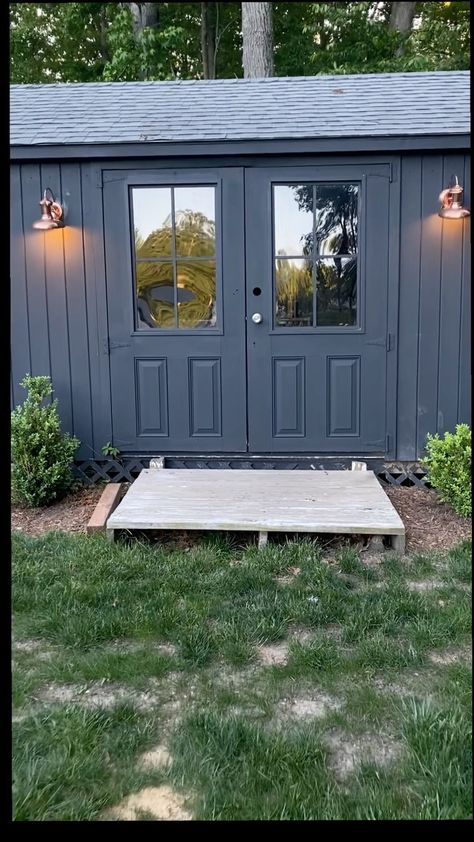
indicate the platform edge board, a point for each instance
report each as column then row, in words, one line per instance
column 108, row 502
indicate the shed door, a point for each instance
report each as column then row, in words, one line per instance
column 317, row 283
column 176, row 309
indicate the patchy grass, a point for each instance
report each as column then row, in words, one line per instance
column 247, row 669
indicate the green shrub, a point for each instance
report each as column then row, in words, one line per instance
column 449, row 467
column 41, row 453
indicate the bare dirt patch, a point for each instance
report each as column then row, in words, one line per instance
column 156, row 758
column 28, row 645
column 71, row 514
column 347, row 753
column 273, row 654
column 425, row 585
column 98, row 695
column 131, row 646
column 316, row 706
column 39, row 648
column 451, row 656
column 162, row 802
column 430, row 524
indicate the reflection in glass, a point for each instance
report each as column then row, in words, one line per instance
column 152, row 221
column 336, row 296
column 171, row 224
column 155, row 294
column 294, row 293
column 196, row 282
column 336, row 218
column 194, row 215
column 195, row 231
column 293, row 216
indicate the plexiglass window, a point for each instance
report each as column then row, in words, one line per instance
column 315, row 257
column 175, row 256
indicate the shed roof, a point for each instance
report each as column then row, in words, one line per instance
column 364, row 105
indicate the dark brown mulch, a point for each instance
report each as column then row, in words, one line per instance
column 71, row 514
column 429, row 523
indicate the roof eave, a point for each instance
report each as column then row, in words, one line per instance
column 369, row 143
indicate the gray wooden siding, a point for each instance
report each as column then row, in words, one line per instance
column 59, row 317
column 434, row 306
column 57, row 281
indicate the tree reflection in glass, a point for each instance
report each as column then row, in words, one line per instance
column 294, row 292
column 323, row 220
column 172, row 289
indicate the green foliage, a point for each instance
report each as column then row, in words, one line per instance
column 82, row 42
column 109, row 450
column 41, row 452
column 449, row 467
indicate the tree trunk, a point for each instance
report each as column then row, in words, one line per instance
column 144, row 14
column 401, row 20
column 103, row 30
column 257, row 40
column 208, row 40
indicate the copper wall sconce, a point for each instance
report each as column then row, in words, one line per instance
column 52, row 215
column 451, row 202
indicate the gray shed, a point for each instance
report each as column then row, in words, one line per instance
column 247, row 268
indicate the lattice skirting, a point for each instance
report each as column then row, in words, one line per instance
column 127, row 469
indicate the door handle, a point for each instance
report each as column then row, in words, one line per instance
column 257, row 318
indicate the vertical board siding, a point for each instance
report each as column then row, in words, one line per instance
column 452, row 235
column 464, row 393
column 19, row 320
column 409, row 305
column 434, row 320
column 59, row 306
column 49, row 320
column 430, row 281
column 96, row 296
column 35, row 271
column 56, row 300
column 77, row 309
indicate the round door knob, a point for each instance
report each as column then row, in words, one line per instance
column 257, row 318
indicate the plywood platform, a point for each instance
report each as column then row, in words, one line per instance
column 339, row 502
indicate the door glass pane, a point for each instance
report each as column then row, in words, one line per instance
column 196, row 281
column 175, row 250
column 327, row 212
column 152, row 221
column 336, row 218
column 294, row 293
column 293, row 219
column 155, row 294
column 336, row 292
column 194, row 214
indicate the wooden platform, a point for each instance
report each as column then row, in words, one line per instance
column 339, row 502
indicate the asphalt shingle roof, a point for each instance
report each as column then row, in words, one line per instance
column 366, row 105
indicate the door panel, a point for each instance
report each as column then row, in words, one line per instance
column 317, row 275
column 176, row 308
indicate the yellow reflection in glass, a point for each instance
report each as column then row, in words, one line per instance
column 196, row 293
column 155, row 295
column 294, row 293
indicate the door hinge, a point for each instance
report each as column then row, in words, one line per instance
column 387, row 443
column 390, row 341
column 109, row 345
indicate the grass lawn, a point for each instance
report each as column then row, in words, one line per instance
column 221, row 682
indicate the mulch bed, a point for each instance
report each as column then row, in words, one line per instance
column 430, row 524
column 71, row 514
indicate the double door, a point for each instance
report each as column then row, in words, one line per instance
column 247, row 308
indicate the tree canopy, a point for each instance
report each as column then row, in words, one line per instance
column 84, row 42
